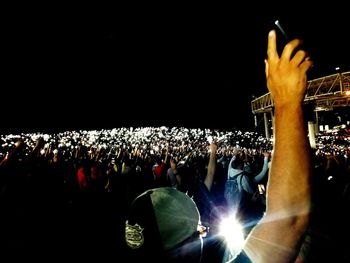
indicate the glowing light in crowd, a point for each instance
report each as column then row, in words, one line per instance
column 46, row 137
column 231, row 230
column 210, row 139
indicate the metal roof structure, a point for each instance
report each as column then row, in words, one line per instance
column 325, row 93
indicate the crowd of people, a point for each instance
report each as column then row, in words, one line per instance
column 103, row 171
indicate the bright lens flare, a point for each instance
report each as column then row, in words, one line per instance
column 232, row 231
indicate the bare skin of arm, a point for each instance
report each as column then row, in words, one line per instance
column 278, row 235
column 211, row 166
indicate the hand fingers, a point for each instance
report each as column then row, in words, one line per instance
column 272, row 54
column 289, row 48
column 266, row 68
column 299, row 57
column 304, row 66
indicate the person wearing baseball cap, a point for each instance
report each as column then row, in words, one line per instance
column 164, row 225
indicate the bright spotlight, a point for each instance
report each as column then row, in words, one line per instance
column 232, row 231
column 347, row 93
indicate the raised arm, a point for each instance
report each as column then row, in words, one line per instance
column 211, row 166
column 12, row 157
column 263, row 172
column 277, row 237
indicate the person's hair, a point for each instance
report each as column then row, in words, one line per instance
column 237, row 163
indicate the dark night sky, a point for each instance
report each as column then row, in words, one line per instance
column 91, row 67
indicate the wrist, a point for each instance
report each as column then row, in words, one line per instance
column 287, row 105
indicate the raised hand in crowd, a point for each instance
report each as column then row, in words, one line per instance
column 278, row 235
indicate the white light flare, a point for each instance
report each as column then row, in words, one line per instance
column 232, row 231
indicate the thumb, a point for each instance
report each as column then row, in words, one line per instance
column 266, row 68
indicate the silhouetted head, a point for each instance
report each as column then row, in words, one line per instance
column 163, row 226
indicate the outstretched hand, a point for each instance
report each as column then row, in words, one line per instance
column 213, row 147
column 286, row 75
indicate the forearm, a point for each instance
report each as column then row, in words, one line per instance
column 289, row 182
column 211, row 171
column 288, row 192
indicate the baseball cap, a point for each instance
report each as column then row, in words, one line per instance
column 159, row 220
